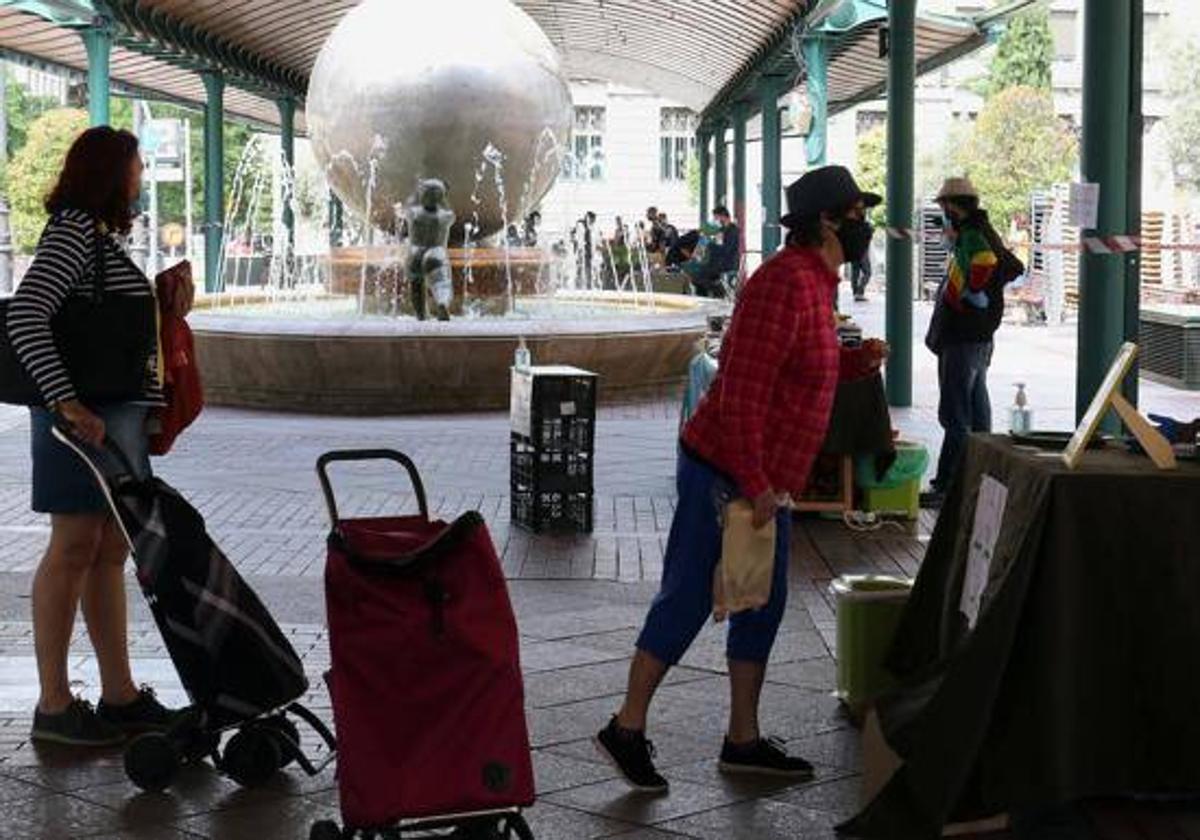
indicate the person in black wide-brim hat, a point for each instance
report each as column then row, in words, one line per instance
column 754, row 436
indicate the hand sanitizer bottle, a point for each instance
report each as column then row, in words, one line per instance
column 1020, row 417
column 522, row 359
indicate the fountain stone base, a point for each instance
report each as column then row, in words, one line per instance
column 378, row 366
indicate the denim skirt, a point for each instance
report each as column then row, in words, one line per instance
column 62, row 482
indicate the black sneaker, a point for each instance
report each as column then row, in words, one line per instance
column 631, row 754
column 765, row 757
column 145, row 714
column 78, row 725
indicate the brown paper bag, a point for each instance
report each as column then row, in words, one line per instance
column 742, row 580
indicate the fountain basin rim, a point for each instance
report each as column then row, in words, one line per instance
column 675, row 314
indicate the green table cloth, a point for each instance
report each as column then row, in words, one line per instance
column 1079, row 676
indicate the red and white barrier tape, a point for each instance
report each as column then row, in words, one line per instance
column 1115, row 244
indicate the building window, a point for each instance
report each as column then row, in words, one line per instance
column 586, row 159
column 1064, row 27
column 677, row 142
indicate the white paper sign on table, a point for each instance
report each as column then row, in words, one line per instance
column 1085, row 204
column 989, row 516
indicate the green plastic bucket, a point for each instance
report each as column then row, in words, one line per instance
column 868, row 611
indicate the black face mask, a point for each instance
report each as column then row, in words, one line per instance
column 855, row 238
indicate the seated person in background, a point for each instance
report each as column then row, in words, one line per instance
column 652, row 235
column 670, row 235
column 723, row 255
column 683, row 249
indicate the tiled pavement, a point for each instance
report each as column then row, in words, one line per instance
column 579, row 603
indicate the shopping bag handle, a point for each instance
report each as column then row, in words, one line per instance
column 368, row 455
column 65, row 432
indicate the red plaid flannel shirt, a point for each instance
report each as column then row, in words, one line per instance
column 764, row 418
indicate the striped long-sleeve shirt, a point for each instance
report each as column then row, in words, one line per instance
column 63, row 265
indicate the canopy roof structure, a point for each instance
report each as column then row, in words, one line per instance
column 702, row 53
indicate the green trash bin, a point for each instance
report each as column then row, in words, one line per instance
column 868, row 611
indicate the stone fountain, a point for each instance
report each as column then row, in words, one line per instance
column 468, row 93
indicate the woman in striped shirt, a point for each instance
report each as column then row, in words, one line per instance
column 91, row 205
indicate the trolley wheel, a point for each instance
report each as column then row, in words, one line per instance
column 515, row 828
column 197, row 744
column 151, row 762
column 287, row 736
column 325, row 830
column 252, row 756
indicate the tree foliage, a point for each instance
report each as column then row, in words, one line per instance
column 871, row 171
column 22, row 108
column 1024, row 55
column 34, row 168
column 1017, row 145
column 1183, row 117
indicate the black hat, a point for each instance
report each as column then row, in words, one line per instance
column 827, row 189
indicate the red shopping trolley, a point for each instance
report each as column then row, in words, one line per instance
column 428, row 700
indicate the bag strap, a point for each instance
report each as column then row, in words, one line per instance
column 97, row 257
column 97, row 265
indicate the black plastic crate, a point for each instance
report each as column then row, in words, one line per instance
column 555, row 407
column 542, row 511
column 540, row 468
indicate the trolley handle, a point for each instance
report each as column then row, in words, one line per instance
column 368, row 455
column 65, row 433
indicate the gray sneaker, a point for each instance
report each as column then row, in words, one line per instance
column 78, row 725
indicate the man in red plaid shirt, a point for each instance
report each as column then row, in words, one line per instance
column 755, row 435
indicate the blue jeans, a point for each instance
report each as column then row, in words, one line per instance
column 684, row 601
column 964, row 406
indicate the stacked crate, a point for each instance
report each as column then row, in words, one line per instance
column 553, row 412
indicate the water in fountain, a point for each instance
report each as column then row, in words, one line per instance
column 263, row 269
column 259, row 261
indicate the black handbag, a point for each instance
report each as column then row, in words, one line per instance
column 105, row 340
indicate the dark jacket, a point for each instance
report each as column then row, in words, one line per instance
column 969, row 324
column 726, row 255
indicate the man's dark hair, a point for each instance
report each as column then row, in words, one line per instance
column 95, row 178
column 722, row 210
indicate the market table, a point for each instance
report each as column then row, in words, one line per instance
column 1078, row 676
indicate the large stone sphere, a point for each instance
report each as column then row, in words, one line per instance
column 403, row 91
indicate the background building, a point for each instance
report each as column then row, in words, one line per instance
column 628, row 150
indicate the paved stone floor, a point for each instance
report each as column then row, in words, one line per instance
column 579, row 603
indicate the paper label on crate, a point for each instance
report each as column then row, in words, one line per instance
column 567, row 409
column 1085, row 205
column 521, row 404
column 989, row 516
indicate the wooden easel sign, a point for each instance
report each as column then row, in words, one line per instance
column 1109, row 396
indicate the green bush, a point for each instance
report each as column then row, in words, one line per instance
column 34, row 169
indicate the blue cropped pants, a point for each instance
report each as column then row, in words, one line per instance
column 684, row 601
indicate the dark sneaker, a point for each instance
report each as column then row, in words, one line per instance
column 145, row 714
column 631, row 754
column 764, row 757
column 78, row 725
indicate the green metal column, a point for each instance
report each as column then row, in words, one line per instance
column 704, row 159
column 741, row 113
column 97, row 40
column 816, row 63
column 1104, row 161
column 214, row 178
column 899, row 308
column 287, row 145
column 1133, row 224
column 772, row 177
column 721, row 162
